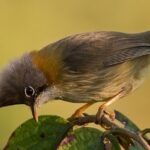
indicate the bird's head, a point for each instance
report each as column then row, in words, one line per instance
column 23, row 83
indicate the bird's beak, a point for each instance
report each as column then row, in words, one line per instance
column 34, row 112
column 43, row 97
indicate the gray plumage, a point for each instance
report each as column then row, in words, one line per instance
column 103, row 49
column 18, row 75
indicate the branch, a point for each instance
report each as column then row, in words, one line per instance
column 113, row 128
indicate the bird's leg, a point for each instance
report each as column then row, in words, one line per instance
column 79, row 111
column 102, row 109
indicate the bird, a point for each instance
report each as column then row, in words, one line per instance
column 91, row 67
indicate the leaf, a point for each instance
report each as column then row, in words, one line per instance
column 136, row 146
column 86, row 139
column 44, row 135
column 114, row 141
column 53, row 132
column 128, row 124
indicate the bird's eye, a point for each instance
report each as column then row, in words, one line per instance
column 29, row 91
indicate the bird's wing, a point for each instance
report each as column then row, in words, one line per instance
column 93, row 51
column 125, row 55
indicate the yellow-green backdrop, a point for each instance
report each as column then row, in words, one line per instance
column 31, row 24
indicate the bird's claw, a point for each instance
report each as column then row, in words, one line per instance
column 101, row 113
column 99, row 116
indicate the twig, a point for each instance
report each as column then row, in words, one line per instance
column 112, row 128
column 145, row 131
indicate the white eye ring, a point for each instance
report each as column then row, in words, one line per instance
column 29, row 91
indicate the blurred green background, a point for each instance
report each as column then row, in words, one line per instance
column 31, row 24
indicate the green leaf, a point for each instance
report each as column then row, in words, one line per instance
column 86, row 139
column 44, row 135
column 128, row 124
column 114, row 142
column 53, row 132
column 136, row 146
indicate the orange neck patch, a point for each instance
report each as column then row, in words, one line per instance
column 49, row 63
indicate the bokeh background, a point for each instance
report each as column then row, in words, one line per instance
column 31, row 24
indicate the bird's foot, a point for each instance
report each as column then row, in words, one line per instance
column 75, row 115
column 79, row 112
column 103, row 112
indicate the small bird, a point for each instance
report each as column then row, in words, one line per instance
column 83, row 68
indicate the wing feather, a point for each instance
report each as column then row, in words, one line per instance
column 93, row 51
column 126, row 55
